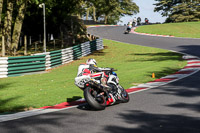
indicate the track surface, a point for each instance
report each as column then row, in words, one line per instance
column 171, row 108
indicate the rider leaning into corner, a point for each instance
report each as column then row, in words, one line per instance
column 90, row 67
column 129, row 26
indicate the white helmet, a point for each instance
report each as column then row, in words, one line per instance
column 91, row 62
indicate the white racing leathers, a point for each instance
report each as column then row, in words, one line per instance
column 90, row 72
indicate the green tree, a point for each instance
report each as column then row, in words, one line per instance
column 1, row 8
column 15, row 13
column 121, row 8
column 8, row 24
column 179, row 10
column 92, row 6
column 18, row 24
column 110, row 10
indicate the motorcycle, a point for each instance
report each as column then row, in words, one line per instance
column 128, row 30
column 99, row 96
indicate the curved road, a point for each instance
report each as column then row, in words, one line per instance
column 173, row 108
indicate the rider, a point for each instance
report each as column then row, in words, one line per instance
column 91, row 68
column 139, row 21
column 135, row 21
column 146, row 21
column 129, row 26
column 88, row 68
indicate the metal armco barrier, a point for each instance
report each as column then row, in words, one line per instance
column 16, row 66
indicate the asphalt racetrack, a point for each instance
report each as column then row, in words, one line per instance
column 172, row 108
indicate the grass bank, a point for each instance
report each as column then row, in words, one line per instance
column 187, row 29
column 135, row 65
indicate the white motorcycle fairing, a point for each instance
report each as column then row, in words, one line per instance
column 80, row 81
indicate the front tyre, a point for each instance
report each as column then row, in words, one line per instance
column 93, row 99
column 124, row 95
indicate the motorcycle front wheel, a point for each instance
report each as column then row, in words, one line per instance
column 94, row 99
column 124, row 95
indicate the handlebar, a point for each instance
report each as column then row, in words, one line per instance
column 109, row 69
column 113, row 69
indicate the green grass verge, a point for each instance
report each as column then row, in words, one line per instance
column 135, row 65
column 187, row 29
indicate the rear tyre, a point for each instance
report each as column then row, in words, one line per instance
column 92, row 98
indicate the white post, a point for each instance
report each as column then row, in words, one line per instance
column 30, row 40
column 25, row 45
column 52, row 39
column 44, row 41
column 44, row 28
column 20, row 41
column 40, row 39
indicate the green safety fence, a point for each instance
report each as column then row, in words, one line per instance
column 15, row 66
column 56, row 58
column 77, row 51
column 25, row 64
column 93, row 45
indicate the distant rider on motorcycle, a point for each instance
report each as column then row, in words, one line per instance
column 129, row 26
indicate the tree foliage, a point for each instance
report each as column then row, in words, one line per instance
column 112, row 10
column 179, row 10
column 13, row 13
column 1, row 8
column 18, row 15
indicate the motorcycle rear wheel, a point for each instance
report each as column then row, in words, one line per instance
column 98, row 103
